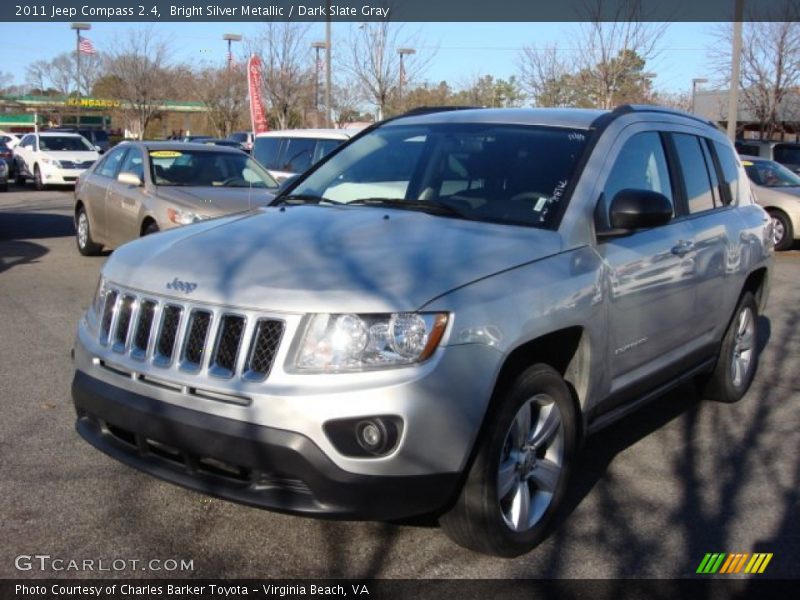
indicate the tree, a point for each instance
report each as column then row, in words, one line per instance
column 138, row 74
column 372, row 59
column 288, row 74
column 488, row 91
column 224, row 93
column 770, row 68
column 614, row 44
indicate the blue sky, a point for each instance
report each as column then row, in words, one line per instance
column 463, row 50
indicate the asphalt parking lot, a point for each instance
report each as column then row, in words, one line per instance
column 651, row 495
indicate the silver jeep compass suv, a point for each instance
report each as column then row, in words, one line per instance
column 432, row 318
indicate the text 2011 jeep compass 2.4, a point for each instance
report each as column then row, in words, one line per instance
column 432, row 318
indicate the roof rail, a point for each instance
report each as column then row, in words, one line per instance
column 624, row 109
column 423, row 110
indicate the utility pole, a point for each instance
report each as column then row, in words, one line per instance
column 230, row 38
column 78, row 27
column 736, row 59
column 328, row 111
column 317, row 47
column 402, row 52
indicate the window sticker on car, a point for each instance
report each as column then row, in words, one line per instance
column 165, row 154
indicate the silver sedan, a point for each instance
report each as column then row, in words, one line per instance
column 140, row 188
column 777, row 189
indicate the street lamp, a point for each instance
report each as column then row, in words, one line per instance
column 317, row 46
column 231, row 37
column 78, row 27
column 694, row 89
column 403, row 52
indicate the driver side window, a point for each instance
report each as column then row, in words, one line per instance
column 640, row 165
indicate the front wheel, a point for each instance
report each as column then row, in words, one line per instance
column 520, row 473
column 38, row 182
column 83, row 235
column 782, row 233
column 738, row 355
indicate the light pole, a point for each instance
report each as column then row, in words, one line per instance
column 230, row 38
column 736, row 59
column 403, row 52
column 328, row 108
column 78, row 27
column 694, row 89
column 317, row 47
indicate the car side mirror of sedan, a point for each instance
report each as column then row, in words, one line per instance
column 128, row 178
column 633, row 209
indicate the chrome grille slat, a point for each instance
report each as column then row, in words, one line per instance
column 226, row 347
column 143, row 330
column 184, row 337
column 196, row 339
column 125, row 308
column 168, row 334
column 263, row 348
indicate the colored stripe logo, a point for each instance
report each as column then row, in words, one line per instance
column 731, row 564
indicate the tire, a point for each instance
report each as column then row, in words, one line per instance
column 19, row 178
column 489, row 519
column 83, row 235
column 738, row 355
column 38, row 183
column 783, row 233
column 152, row 227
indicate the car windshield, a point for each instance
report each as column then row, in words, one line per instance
column 770, row 174
column 787, row 154
column 501, row 173
column 238, row 137
column 207, row 168
column 66, row 143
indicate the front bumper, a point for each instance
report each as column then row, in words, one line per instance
column 57, row 176
column 252, row 464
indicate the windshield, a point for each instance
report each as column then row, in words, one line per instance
column 207, row 168
column 501, row 173
column 788, row 154
column 770, row 174
column 66, row 143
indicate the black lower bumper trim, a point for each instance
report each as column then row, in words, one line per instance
column 276, row 469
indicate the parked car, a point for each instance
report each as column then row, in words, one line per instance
column 786, row 153
column 52, row 158
column 290, row 152
column 246, row 138
column 9, row 139
column 195, row 138
column 140, row 188
column 429, row 319
column 225, row 142
column 777, row 189
column 5, row 169
column 97, row 137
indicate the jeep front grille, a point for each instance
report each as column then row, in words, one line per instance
column 193, row 338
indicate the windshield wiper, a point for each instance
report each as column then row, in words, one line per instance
column 297, row 199
column 429, row 206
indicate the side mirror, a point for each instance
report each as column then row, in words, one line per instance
column 98, row 149
column 128, row 178
column 638, row 209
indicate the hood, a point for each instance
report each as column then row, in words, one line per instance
column 72, row 155
column 325, row 259
column 215, row 201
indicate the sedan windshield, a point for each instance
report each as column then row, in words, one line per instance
column 500, row 173
column 768, row 173
column 207, row 169
column 66, row 143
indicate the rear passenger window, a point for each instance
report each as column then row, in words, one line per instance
column 730, row 171
column 641, row 165
column 699, row 194
column 298, row 153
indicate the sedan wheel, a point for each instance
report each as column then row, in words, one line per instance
column 782, row 234
column 83, row 235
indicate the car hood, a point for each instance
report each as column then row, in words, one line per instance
column 215, row 201
column 71, row 155
column 326, row 259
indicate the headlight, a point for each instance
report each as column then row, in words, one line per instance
column 95, row 312
column 349, row 342
column 51, row 161
column 183, row 217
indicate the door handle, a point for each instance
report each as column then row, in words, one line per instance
column 682, row 248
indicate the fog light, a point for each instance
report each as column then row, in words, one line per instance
column 371, row 436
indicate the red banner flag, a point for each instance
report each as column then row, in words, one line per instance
column 258, row 117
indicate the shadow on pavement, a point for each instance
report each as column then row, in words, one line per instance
column 34, row 226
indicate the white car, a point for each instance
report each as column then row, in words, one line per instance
column 55, row 158
column 9, row 139
column 290, row 152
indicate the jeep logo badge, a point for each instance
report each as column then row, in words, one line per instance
column 181, row 286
